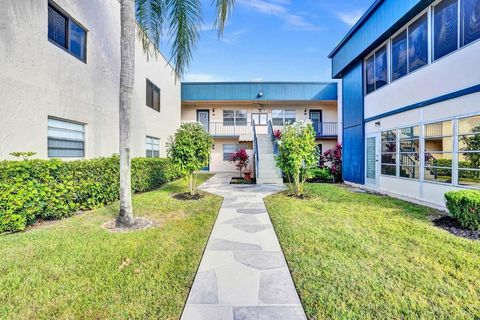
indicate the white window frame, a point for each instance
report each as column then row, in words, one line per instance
column 52, row 136
column 152, row 143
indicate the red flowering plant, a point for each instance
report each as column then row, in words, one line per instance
column 241, row 160
column 334, row 158
column 277, row 134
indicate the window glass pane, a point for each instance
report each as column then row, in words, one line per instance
column 418, row 44
column 381, row 68
column 389, row 170
column 438, row 159
column 439, row 129
column 390, row 135
column 410, row 133
column 65, row 139
column 57, row 27
column 369, row 76
column 469, row 125
column 389, row 158
column 410, row 172
column 65, row 133
column 389, row 146
column 65, row 153
column 149, row 94
column 228, row 117
column 59, row 124
column 156, row 99
column 241, row 117
column 399, row 56
column 277, row 117
column 78, row 39
column 470, row 21
column 469, row 160
column 290, row 116
column 445, row 28
column 410, row 159
column 438, row 175
column 469, row 178
column 410, row 146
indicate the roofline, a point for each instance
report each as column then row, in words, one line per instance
column 355, row 28
column 260, row 82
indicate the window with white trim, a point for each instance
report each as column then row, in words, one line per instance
column 152, row 147
column 234, row 117
column 469, row 151
column 438, row 153
column 389, row 153
column 282, row 117
column 66, row 139
column 230, row 149
column 409, row 152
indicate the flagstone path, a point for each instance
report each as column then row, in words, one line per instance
column 243, row 274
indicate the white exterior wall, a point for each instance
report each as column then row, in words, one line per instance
column 454, row 72
column 38, row 80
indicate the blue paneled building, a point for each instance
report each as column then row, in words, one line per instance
column 410, row 72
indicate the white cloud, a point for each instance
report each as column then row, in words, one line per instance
column 233, row 37
column 350, row 18
column 279, row 8
column 202, row 77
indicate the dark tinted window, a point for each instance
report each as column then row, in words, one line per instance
column 445, row 28
column 57, row 27
column 66, row 33
column 369, row 77
column 153, row 96
column 470, row 21
column 418, row 44
column 381, row 68
column 399, row 56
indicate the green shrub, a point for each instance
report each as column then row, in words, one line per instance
column 465, row 207
column 321, row 175
column 54, row 189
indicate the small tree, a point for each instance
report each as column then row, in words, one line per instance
column 189, row 150
column 241, row 160
column 297, row 154
column 472, row 143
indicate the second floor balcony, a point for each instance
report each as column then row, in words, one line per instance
column 219, row 129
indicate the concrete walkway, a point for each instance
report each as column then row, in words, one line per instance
column 243, row 274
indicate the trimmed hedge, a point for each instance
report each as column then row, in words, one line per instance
column 53, row 189
column 465, row 207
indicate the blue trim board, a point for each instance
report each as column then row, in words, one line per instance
column 448, row 96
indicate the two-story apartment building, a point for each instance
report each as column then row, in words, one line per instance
column 231, row 110
column 59, row 82
column 411, row 98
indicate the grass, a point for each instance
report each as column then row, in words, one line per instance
column 365, row 256
column 71, row 268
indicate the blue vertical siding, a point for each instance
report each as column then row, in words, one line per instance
column 353, row 125
column 378, row 25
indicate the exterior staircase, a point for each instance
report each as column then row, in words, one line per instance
column 267, row 172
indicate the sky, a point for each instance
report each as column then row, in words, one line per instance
column 273, row 40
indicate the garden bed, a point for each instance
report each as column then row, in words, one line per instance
column 451, row 225
column 238, row 180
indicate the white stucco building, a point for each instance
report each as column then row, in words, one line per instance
column 59, row 83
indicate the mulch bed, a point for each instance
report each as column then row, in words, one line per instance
column 139, row 224
column 451, row 225
column 187, row 196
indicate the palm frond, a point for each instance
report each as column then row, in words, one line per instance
column 150, row 15
column 224, row 9
column 185, row 20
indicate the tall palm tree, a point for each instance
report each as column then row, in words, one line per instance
column 182, row 20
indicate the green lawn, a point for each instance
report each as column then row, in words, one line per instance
column 364, row 256
column 71, row 268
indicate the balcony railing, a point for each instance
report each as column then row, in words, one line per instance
column 230, row 129
column 227, row 129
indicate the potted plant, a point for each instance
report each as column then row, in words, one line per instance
column 241, row 160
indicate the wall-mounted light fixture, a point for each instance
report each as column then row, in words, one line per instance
column 305, row 112
column 260, row 107
column 378, row 124
column 260, row 94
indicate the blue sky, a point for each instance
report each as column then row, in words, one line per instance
column 274, row 40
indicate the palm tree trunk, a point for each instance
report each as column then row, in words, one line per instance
column 127, row 77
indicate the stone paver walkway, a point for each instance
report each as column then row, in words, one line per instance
column 243, row 274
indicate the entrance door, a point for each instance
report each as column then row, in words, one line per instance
column 203, row 116
column 316, row 118
column 371, row 165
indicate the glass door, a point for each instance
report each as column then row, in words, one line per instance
column 203, row 116
column 371, row 170
column 316, row 118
